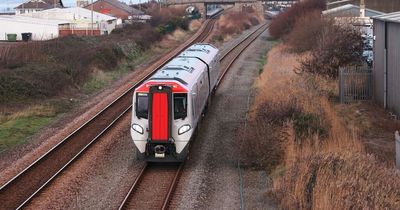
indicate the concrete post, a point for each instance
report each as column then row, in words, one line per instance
column 397, row 139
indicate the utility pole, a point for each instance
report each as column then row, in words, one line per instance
column 362, row 8
column 91, row 7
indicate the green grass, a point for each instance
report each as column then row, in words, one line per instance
column 264, row 59
column 101, row 79
column 17, row 127
column 16, row 131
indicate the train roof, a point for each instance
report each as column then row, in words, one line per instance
column 206, row 52
column 186, row 70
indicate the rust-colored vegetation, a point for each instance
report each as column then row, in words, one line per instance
column 316, row 160
column 234, row 22
column 321, row 155
column 329, row 43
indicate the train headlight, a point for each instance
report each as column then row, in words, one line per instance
column 184, row 129
column 137, row 128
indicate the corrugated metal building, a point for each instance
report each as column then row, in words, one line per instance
column 349, row 10
column 386, row 70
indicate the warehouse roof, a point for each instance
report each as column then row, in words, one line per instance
column 40, row 4
column 390, row 17
column 30, row 20
column 350, row 9
column 72, row 13
column 121, row 6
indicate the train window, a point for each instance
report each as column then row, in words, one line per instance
column 142, row 105
column 180, row 105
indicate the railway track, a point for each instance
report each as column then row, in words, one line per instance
column 158, row 181
column 19, row 190
column 228, row 58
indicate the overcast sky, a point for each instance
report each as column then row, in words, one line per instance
column 69, row 3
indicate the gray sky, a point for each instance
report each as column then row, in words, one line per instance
column 69, row 3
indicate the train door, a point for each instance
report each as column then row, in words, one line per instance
column 160, row 113
column 194, row 104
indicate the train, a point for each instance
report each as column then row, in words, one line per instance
column 167, row 107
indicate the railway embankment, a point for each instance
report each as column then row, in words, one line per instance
column 319, row 154
column 42, row 83
column 315, row 156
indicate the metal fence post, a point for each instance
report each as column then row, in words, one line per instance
column 341, row 85
column 397, row 139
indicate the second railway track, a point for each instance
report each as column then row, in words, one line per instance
column 155, row 184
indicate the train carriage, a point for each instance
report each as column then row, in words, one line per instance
column 169, row 105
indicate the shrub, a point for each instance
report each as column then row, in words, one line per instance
column 306, row 31
column 163, row 16
column 261, row 147
column 308, row 124
column 32, row 81
column 235, row 22
column 338, row 46
column 284, row 22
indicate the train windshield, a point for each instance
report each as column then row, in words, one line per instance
column 142, row 105
column 180, row 105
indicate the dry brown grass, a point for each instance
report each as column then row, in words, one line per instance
column 313, row 171
column 283, row 24
column 234, row 22
column 195, row 24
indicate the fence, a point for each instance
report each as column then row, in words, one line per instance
column 397, row 140
column 355, row 84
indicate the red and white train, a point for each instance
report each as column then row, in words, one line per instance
column 168, row 106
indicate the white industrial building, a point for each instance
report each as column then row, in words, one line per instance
column 79, row 18
column 53, row 23
column 40, row 29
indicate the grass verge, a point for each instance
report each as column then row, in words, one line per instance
column 17, row 127
column 316, row 160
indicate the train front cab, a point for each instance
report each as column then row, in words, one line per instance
column 161, row 127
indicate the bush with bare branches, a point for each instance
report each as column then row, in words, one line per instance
column 307, row 30
column 235, row 22
column 283, row 24
column 339, row 45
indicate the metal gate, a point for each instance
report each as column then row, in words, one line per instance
column 355, row 83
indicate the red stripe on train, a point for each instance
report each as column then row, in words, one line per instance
column 159, row 123
column 176, row 87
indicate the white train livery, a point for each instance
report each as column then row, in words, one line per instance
column 168, row 106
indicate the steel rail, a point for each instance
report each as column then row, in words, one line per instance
column 242, row 45
column 139, row 179
column 256, row 33
column 171, row 190
column 134, row 185
column 18, row 182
